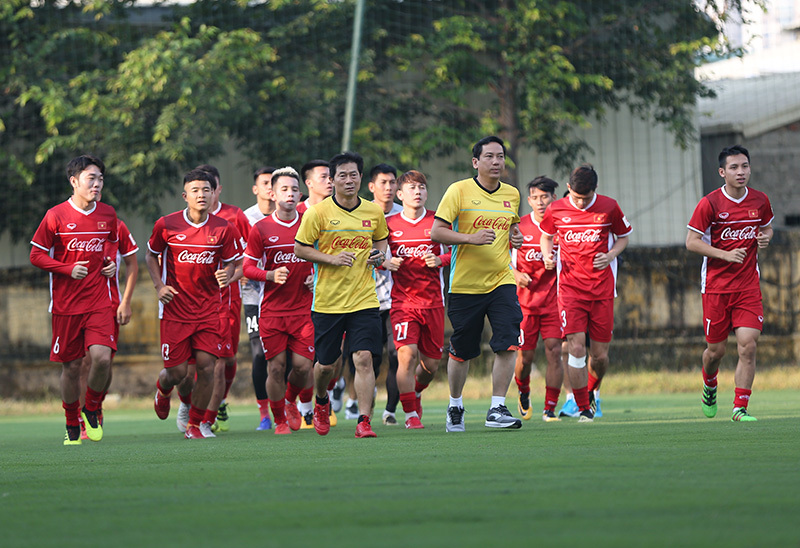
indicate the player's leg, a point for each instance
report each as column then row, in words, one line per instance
column 717, row 325
column 553, row 378
column 522, row 378
column 598, row 357
column 392, row 390
column 570, row 408
column 466, row 313
column 407, row 363
column 217, row 391
column 301, row 354
column 201, row 395
column 364, row 335
column 505, row 317
column 328, row 332
column 276, row 391
column 96, row 383
column 348, row 372
column 578, row 376
column 259, row 366
column 746, row 342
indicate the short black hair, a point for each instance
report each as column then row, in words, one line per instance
column 478, row 148
column 198, row 174
column 214, row 173
column 308, row 166
column 543, row 183
column 77, row 165
column 732, row 151
column 261, row 171
column 346, row 158
column 583, row 179
column 381, row 168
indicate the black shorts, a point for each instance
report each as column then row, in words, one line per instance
column 467, row 313
column 363, row 329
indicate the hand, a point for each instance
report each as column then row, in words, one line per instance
column 123, row 314
column 109, row 267
column 549, row 261
column 432, row 260
column 601, row 261
column 345, row 258
column 393, row 264
column 280, row 274
column 483, row 237
column 79, row 271
column 521, row 278
column 222, row 278
column 310, row 282
column 166, row 294
column 735, row 255
column 515, row 237
column 376, row 258
column 763, row 240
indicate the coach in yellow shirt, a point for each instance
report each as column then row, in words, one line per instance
column 345, row 237
column 478, row 217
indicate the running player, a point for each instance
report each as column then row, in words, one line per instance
column 417, row 316
column 69, row 244
column 728, row 228
column 198, row 253
column 285, row 312
column 478, row 218
column 345, row 237
column 536, row 290
column 317, row 176
column 592, row 231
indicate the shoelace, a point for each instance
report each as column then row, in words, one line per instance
column 455, row 415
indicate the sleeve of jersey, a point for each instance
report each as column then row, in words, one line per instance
column 767, row 213
column 231, row 244
column 42, row 259
column 547, row 226
column 251, row 270
column 449, row 207
column 157, row 244
column 308, row 232
column 446, row 259
column 382, row 232
column 620, row 225
column 701, row 218
column 127, row 245
column 43, row 237
column 516, row 219
column 243, row 226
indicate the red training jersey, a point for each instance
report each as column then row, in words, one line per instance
column 235, row 216
column 582, row 234
column 66, row 235
column 190, row 254
column 540, row 294
column 272, row 240
column 124, row 247
column 729, row 224
column 414, row 284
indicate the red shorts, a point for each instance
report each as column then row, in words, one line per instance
column 281, row 333
column 421, row 326
column 580, row 315
column 548, row 324
column 74, row 334
column 229, row 325
column 723, row 312
column 179, row 340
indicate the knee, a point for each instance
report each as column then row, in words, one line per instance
column 747, row 349
column 715, row 352
column 362, row 359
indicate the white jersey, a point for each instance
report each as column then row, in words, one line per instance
column 251, row 290
column 383, row 278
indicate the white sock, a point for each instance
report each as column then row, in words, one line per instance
column 304, row 407
column 387, row 413
column 350, row 402
column 456, row 402
column 570, row 396
column 498, row 401
column 411, row 414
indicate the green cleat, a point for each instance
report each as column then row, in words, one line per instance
column 94, row 430
column 740, row 415
column 709, row 401
column 222, row 418
column 72, row 435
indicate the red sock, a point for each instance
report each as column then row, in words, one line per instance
column 593, row 383
column 332, row 384
column 419, row 387
column 72, row 411
column 409, row 402
column 306, row 394
column 187, row 399
column 210, row 416
column 263, row 408
column 164, row 393
column 551, row 398
column 230, row 373
column 710, row 381
column 196, row 415
column 278, row 410
column 581, row 397
column 93, row 399
column 742, row 397
column 292, row 391
column 523, row 384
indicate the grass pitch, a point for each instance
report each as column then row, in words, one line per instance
column 652, row 472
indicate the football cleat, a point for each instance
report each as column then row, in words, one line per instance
column 207, row 430
column 569, row 409
column 83, row 431
column 308, row 421
column 500, row 417
column 265, row 424
column 586, row 416
column 334, row 421
column 337, row 393
column 389, row 418
column 193, row 433
column 455, row 420
column 709, row 401
column 222, row 417
column 93, row 429
column 161, row 405
column 282, row 428
column 413, row 423
column 524, row 405
column 740, row 414
column 549, row 416
column 293, row 418
column 322, row 421
column 351, row 410
column 419, row 406
column 72, row 436
column 594, row 405
column 183, row 416
column 364, row 429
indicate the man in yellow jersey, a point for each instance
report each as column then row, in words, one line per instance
column 345, row 237
column 478, row 217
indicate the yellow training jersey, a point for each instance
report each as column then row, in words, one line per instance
column 330, row 228
column 468, row 207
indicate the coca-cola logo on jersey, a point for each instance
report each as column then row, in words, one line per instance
column 359, row 242
column 417, row 251
column 591, row 235
column 498, row 223
column 286, row 258
column 746, row 233
column 533, row 255
column 95, row 245
column 204, row 257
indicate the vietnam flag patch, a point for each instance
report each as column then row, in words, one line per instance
column 212, row 239
column 102, row 225
column 367, row 224
column 600, row 218
column 753, row 213
column 506, row 204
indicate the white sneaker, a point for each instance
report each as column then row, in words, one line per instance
column 183, row 417
column 500, row 417
column 455, row 420
column 338, row 392
column 351, row 410
column 389, row 418
column 205, row 429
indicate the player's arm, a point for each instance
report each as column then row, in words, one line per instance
column 238, row 271
column 548, row 257
column 515, row 237
column 764, row 236
column 695, row 244
column 442, row 232
column 378, row 253
column 165, row 292
column 131, row 276
column 602, row 260
column 251, row 270
column 42, row 259
column 311, row 254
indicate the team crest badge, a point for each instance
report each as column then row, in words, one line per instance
column 600, row 218
column 273, row 239
column 527, row 237
column 366, row 223
column 334, row 222
column 566, row 219
column 753, row 213
column 506, row 203
column 180, row 237
column 212, row 239
column 397, row 233
column 71, row 226
column 102, row 225
column 476, row 202
column 724, row 215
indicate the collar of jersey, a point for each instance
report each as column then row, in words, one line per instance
column 340, row 206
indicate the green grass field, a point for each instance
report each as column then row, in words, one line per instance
column 652, row 472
